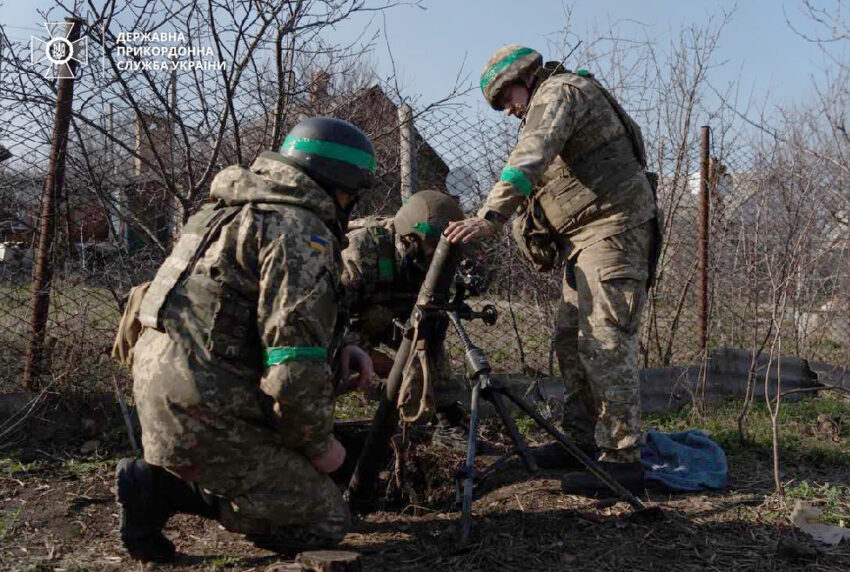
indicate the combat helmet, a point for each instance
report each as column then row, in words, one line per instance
column 332, row 152
column 426, row 214
column 509, row 64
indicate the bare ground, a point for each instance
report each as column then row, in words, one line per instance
column 58, row 513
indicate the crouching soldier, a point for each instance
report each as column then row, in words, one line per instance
column 233, row 373
column 384, row 266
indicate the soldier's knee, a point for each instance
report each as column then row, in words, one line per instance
column 290, row 540
column 624, row 300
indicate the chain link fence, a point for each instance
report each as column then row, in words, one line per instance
column 776, row 242
column 777, row 237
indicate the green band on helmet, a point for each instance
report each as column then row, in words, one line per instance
column 499, row 66
column 518, row 179
column 427, row 229
column 386, row 267
column 274, row 356
column 331, row 150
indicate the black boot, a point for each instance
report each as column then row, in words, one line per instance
column 188, row 498
column 143, row 512
column 149, row 495
column 556, row 456
column 629, row 475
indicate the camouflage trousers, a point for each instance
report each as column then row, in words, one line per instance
column 268, row 492
column 596, row 341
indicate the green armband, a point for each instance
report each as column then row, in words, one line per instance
column 518, row 179
column 275, row 356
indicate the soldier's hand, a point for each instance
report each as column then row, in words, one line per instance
column 330, row 460
column 469, row 229
column 352, row 359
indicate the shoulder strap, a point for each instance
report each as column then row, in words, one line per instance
column 198, row 234
column 632, row 128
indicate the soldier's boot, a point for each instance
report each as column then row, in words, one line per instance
column 143, row 512
column 629, row 475
column 449, row 431
column 149, row 495
column 577, row 425
column 556, row 456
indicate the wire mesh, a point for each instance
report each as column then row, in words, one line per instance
column 137, row 168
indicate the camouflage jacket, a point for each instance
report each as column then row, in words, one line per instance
column 376, row 289
column 257, row 299
column 573, row 132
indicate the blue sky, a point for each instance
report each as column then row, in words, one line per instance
column 429, row 46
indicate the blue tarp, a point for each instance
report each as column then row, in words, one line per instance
column 686, row 461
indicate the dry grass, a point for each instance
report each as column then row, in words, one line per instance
column 58, row 513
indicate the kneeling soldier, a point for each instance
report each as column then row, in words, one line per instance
column 384, row 265
column 233, row 370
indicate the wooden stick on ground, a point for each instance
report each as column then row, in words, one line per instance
column 126, row 413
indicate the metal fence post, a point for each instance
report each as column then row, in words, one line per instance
column 407, row 154
column 703, row 240
column 42, row 276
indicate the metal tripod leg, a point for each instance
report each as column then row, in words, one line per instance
column 495, row 397
column 468, row 470
column 591, row 465
column 469, row 467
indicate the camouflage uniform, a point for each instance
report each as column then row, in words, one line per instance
column 380, row 289
column 576, row 138
column 232, row 374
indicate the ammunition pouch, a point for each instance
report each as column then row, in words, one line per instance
column 549, row 213
column 563, row 200
column 130, row 328
column 535, row 239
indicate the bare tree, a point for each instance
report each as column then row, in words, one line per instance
column 172, row 92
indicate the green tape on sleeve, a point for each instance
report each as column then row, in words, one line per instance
column 275, row 356
column 331, row 150
column 386, row 267
column 518, row 179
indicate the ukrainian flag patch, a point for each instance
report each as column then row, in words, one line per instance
column 318, row 244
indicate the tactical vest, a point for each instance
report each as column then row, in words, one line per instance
column 599, row 158
column 200, row 231
column 195, row 309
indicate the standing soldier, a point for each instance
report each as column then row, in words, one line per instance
column 233, row 370
column 384, row 265
column 578, row 172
